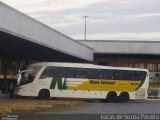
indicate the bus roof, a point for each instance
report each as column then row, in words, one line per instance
column 84, row 65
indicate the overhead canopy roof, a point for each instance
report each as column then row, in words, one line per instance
column 22, row 36
column 123, row 47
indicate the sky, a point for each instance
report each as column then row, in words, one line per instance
column 107, row 19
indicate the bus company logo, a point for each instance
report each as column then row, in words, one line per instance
column 60, row 84
column 9, row 117
column 102, row 82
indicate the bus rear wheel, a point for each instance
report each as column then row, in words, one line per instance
column 124, row 97
column 44, row 94
column 112, row 97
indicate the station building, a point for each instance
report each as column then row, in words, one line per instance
column 24, row 40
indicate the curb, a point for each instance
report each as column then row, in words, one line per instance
column 8, row 106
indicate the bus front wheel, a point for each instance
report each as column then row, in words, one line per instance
column 123, row 97
column 44, row 94
column 112, row 97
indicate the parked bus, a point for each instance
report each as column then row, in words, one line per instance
column 75, row 80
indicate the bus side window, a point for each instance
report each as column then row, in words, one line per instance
column 98, row 74
column 67, row 72
column 130, row 75
column 95, row 74
column 140, row 75
column 83, row 73
column 117, row 75
column 109, row 74
column 50, row 72
column 123, row 75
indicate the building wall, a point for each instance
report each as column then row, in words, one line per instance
column 123, row 47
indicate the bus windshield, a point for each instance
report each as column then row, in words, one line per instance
column 27, row 76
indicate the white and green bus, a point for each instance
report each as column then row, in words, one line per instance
column 75, row 80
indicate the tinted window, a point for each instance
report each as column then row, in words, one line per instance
column 140, row 75
column 123, row 75
column 97, row 73
column 109, row 74
column 129, row 75
column 116, row 75
column 67, row 72
column 83, row 73
column 50, row 72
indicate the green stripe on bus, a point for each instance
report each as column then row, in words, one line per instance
column 58, row 81
column 141, row 83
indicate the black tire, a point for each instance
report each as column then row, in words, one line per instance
column 44, row 94
column 112, row 97
column 124, row 97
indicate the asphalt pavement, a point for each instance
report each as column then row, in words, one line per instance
column 96, row 110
